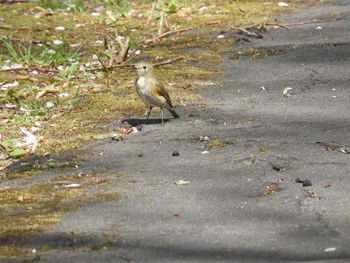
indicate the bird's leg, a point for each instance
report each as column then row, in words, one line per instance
column 149, row 112
column 162, row 111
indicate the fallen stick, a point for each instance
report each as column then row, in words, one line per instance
column 247, row 32
column 169, row 61
column 29, row 69
column 315, row 21
column 167, row 34
column 279, row 25
column 123, row 54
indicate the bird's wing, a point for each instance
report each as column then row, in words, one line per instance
column 159, row 90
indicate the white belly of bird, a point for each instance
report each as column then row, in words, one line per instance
column 145, row 93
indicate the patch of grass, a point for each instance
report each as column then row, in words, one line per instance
column 270, row 189
column 29, row 210
column 77, row 115
column 262, row 150
column 217, row 143
column 75, row 5
column 86, row 103
column 257, row 53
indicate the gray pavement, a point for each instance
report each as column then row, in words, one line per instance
column 237, row 206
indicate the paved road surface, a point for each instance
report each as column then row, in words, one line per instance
column 242, row 203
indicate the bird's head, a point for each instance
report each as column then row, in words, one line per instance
column 144, row 69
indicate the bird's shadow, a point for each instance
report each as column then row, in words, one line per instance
column 136, row 122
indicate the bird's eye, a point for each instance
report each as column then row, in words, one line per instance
column 144, row 67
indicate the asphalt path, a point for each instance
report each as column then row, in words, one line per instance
column 279, row 117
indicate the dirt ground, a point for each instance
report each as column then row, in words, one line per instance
column 277, row 119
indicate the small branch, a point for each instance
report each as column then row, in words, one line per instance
column 57, row 71
column 45, row 91
column 104, row 68
column 279, row 25
column 239, row 38
column 155, row 39
column 29, row 69
column 285, row 26
column 28, row 42
column 168, row 61
column 161, row 22
column 149, row 19
column 247, row 32
column 315, row 21
column 124, row 49
column 213, row 22
column 240, row 9
column 263, row 25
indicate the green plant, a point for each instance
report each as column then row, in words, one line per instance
column 69, row 72
column 60, row 54
column 10, row 148
column 170, row 7
column 21, row 54
column 75, row 5
column 10, row 48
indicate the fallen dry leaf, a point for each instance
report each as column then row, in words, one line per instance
column 273, row 233
column 95, row 179
column 125, row 130
column 24, row 198
column 286, row 91
column 312, row 194
column 214, row 22
column 182, row 182
column 71, row 185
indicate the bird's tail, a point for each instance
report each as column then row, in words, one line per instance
column 173, row 112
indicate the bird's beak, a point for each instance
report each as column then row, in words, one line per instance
column 131, row 66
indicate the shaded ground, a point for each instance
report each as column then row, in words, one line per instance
column 242, row 203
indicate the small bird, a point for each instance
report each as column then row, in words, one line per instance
column 151, row 91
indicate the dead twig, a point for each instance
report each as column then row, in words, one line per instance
column 169, row 61
column 213, row 22
column 155, row 39
column 104, row 68
column 335, row 148
column 149, row 19
column 278, row 25
column 257, row 27
column 124, row 49
column 246, row 32
column 240, row 9
column 42, row 12
column 161, row 23
column 239, row 38
column 27, row 42
column 45, row 91
column 315, row 21
column 29, row 69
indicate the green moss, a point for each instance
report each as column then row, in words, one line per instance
column 25, row 174
column 270, row 189
column 263, row 52
column 216, row 144
column 29, row 210
column 97, row 102
column 111, row 95
column 262, row 150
